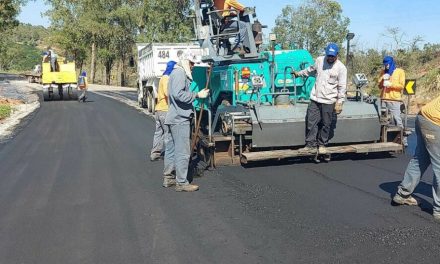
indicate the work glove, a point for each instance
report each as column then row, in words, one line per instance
column 295, row 74
column 386, row 83
column 386, row 76
column 338, row 108
column 203, row 93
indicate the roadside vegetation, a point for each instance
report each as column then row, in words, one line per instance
column 5, row 110
column 101, row 35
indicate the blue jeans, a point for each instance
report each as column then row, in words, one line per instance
column 427, row 153
column 242, row 37
column 177, row 152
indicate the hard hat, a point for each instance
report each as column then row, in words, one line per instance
column 188, row 55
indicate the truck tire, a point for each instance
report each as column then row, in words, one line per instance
column 73, row 93
column 143, row 101
column 151, row 102
column 65, row 94
column 57, row 93
column 46, row 96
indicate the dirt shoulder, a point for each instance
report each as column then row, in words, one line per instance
column 18, row 99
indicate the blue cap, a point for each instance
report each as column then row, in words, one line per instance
column 332, row 49
column 170, row 67
column 84, row 74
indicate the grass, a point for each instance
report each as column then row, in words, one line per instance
column 5, row 110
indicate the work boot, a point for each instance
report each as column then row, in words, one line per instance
column 308, row 149
column 186, row 187
column 436, row 217
column 239, row 51
column 322, row 150
column 398, row 199
column 168, row 181
column 155, row 156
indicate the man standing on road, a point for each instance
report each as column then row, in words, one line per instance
column 326, row 97
column 178, row 119
column 427, row 153
column 161, row 133
column 82, row 84
column 391, row 83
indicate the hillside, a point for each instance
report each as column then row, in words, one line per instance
column 21, row 47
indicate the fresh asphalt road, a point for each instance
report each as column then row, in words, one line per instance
column 76, row 187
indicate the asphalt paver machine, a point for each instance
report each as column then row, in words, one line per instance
column 256, row 110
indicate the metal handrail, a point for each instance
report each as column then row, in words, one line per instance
column 294, row 82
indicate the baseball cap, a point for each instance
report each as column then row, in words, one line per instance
column 332, row 49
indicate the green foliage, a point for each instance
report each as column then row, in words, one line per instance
column 29, row 35
column 431, row 81
column 19, row 57
column 312, row 25
column 422, row 64
column 5, row 110
column 9, row 10
column 165, row 21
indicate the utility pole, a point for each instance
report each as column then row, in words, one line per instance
column 349, row 37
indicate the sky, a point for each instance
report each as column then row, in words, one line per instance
column 368, row 18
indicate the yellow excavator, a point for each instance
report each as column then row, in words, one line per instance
column 58, row 78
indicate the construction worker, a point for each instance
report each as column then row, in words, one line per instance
column 82, row 84
column 391, row 83
column 178, row 120
column 230, row 8
column 53, row 60
column 326, row 97
column 427, row 153
column 161, row 112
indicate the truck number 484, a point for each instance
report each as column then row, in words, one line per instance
column 163, row 54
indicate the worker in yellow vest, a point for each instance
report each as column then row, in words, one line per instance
column 161, row 112
column 427, row 153
column 231, row 21
column 391, row 83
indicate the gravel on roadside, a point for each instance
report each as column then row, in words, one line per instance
column 23, row 99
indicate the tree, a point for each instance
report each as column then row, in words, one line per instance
column 311, row 25
column 165, row 21
column 9, row 9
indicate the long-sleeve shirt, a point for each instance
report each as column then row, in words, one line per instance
column 162, row 94
column 180, row 98
column 393, row 92
column 331, row 81
column 432, row 111
column 231, row 4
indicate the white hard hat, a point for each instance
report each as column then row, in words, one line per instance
column 188, row 55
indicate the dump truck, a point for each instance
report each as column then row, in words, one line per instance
column 256, row 108
column 152, row 60
column 35, row 75
column 59, row 83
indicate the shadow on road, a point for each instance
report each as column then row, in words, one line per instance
column 422, row 189
column 334, row 157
